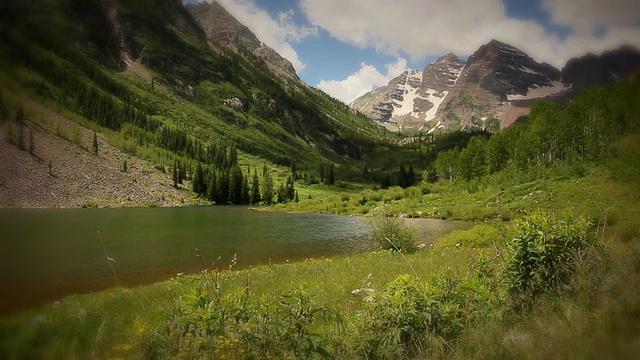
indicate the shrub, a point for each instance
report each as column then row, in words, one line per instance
column 541, row 256
column 397, row 318
column 391, row 232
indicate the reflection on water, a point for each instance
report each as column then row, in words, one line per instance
column 46, row 254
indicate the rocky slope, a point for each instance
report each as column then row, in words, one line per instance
column 495, row 86
column 78, row 177
column 221, row 28
column 494, row 75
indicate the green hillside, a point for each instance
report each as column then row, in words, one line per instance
column 142, row 72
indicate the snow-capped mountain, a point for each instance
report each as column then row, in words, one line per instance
column 493, row 88
column 414, row 96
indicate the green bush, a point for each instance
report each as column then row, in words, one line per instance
column 391, row 232
column 541, row 257
column 398, row 318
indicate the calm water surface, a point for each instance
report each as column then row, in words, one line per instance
column 46, row 254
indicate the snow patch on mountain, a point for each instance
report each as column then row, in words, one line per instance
column 438, row 125
column 436, row 101
column 410, row 90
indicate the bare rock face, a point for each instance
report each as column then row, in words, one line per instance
column 221, row 28
column 496, row 76
column 412, row 97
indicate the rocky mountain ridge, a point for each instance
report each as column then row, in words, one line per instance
column 494, row 87
column 222, row 28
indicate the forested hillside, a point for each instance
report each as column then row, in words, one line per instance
column 590, row 129
column 142, row 72
column 143, row 76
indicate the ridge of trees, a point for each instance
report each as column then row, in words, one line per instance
column 584, row 130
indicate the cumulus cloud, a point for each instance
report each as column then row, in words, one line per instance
column 278, row 33
column 421, row 28
column 364, row 80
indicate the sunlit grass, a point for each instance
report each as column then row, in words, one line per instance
column 117, row 321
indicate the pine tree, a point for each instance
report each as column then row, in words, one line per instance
column 332, row 176
column 321, row 172
column 411, row 176
column 282, row 194
column 212, row 194
column 402, row 177
column 175, row 174
column 254, row 197
column 124, row 166
column 199, row 186
column 222, row 180
column 386, row 181
column 290, row 189
column 182, row 173
column 267, row 188
column 233, row 156
column 235, row 185
column 246, row 196
column 94, row 146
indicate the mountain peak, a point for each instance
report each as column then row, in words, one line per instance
column 223, row 28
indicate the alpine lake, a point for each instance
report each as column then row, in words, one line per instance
column 46, row 254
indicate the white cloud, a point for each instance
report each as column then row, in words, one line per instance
column 277, row 33
column 421, row 28
column 417, row 28
column 364, row 80
column 587, row 16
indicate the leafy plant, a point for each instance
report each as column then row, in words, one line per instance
column 541, row 256
column 397, row 318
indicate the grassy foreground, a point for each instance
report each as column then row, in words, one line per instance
column 446, row 301
column 542, row 286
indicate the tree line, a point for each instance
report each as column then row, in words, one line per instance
column 584, row 130
column 221, row 180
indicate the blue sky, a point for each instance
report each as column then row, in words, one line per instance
column 349, row 47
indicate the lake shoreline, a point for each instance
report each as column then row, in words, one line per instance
column 152, row 244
